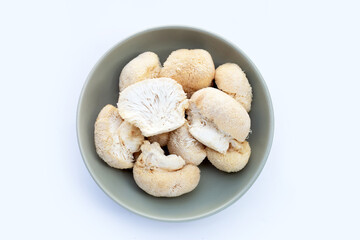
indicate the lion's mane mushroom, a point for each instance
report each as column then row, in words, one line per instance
column 162, row 139
column 144, row 66
column 164, row 176
column 235, row 159
column 231, row 79
column 216, row 118
column 116, row 140
column 193, row 69
column 155, row 105
column 183, row 144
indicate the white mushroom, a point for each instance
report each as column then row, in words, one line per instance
column 164, row 176
column 183, row 144
column 193, row 69
column 162, row 139
column 131, row 136
column 115, row 139
column 144, row 66
column 153, row 156
column 155, row 106
column 235, row 159
column 231, row 79
column 216, row 118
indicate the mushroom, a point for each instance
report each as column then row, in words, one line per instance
column 144, row 66
column 116, row 140
column 164, row 176
column 216, row 118
column 162, row 139
column 193, row 69
column 183, row 144
column 155, row 105
column 235, row 159
column 231, row 79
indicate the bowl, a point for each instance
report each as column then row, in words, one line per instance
column 216, row 189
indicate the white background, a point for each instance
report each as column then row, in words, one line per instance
column 309, row 55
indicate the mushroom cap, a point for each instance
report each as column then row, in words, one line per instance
column 233, row 160
column 155, row 105
column 162, row 139
column 158, row 181
column 183, row 144
column 193, row 69
column 110, row 113
column 146, row 65
column 115, row 139
column 223, row 111
column 231, row 79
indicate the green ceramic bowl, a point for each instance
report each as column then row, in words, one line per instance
column 216, row 189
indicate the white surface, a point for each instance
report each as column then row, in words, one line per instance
column 308, row 53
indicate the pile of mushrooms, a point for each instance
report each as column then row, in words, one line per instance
column 176, row 108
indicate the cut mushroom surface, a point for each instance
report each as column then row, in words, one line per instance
column 115, row 139
column 183, row 144
column 131, row 136
column 216, row 118
column 164, row 176
column 206, row 132
column 154, row 157
column 155, row 106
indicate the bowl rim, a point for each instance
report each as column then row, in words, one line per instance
column 238, row 194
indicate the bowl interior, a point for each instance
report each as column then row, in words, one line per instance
column 216, row 189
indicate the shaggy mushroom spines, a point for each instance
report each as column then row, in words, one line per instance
column 231, row 79
column 192, row 68
column 235, row 159
column 160, row 183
